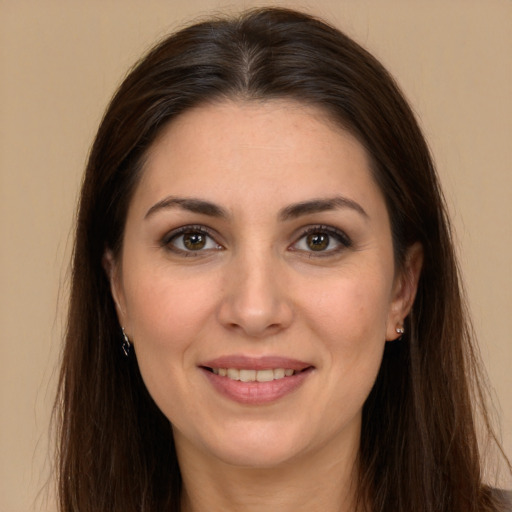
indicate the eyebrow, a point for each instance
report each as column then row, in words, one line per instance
column 189, row 204
column 320, row 205
column 292, row 211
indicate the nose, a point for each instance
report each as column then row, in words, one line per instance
column 255, row 300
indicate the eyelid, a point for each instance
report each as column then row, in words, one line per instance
column 340, row 236
column 166, row 240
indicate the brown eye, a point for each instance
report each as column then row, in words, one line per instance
column 317, row 241
column 322, row 240
column 190, row 239
column 194, row 241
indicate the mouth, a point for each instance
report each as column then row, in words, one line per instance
column 249, row 375
column 256, row 381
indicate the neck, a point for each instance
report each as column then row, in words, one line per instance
column 322, row 481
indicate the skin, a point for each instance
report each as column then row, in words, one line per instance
column 257, row 288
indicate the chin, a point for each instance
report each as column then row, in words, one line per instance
column 256, row 457
column 255, row 446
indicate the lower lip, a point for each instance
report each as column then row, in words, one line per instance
column 256, row 393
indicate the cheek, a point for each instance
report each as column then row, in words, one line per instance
column 162, row 308
column 351, row 312
column 350, row 320
column 166, row 318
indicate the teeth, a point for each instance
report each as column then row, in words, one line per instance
column 253, row 375
column 233, row 374
column 264, row 375
column 247, row 375
column 279, row 373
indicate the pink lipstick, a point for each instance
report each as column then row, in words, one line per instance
column 255, row 380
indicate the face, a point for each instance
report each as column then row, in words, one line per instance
column 257, row 282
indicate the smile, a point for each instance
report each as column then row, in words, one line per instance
column 256, row 380
column 247, row 375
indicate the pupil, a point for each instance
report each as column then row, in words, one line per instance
column 318, row 241
column 194, row 241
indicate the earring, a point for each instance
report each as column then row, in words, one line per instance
column 400, row 330
column 126, row 345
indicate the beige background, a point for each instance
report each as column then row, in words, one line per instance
column 60, row 62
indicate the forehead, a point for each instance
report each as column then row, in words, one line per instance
column 231, row 148
column 249, row 116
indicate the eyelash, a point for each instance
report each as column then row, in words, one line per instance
column 193, row 230
column 331, row 232
column 340, row 237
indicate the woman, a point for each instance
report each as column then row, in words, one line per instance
column 265, row 306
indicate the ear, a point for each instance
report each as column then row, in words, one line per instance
column 113, row 271
column 404, row 290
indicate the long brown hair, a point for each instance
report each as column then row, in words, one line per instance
column 419, row 449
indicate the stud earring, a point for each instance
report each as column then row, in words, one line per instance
column 400, row 330
column 126, row 345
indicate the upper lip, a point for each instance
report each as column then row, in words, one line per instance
column 242, row 362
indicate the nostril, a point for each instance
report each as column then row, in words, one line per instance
column 256, row 314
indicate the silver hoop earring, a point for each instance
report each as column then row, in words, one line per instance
column 126, row 345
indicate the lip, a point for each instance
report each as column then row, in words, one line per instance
column 256, row 363
column 256, row 393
